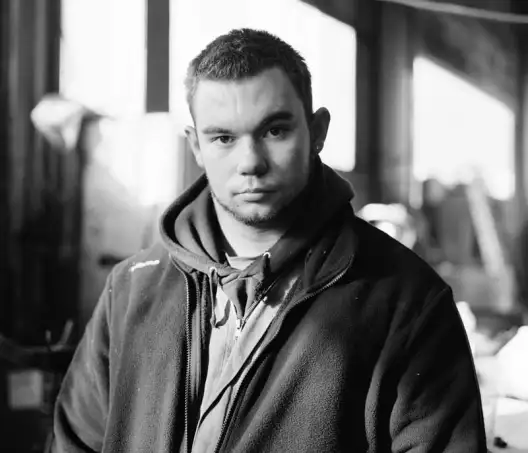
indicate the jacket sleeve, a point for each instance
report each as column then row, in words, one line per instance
column 82, row 403
column 437, row 402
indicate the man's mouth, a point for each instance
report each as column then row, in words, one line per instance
column 255, row 194
column 256, row 190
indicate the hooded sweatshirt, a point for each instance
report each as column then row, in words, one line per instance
column 366, row 352
column 191, row 232
column 239, row 302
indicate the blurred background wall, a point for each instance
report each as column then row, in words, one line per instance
column 428, row 108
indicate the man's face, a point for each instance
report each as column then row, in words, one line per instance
column 252, row 139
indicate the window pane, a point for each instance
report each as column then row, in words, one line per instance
column 103, row 54
column 459, row 129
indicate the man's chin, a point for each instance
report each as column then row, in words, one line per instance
column 257, row 214
column 254, row 218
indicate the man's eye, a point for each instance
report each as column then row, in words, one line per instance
column 224, row 139
column 276, row 131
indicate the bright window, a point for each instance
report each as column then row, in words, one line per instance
column 460, row 130
column 329, row 47
column 103, row 55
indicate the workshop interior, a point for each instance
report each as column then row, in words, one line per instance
column 429, row 105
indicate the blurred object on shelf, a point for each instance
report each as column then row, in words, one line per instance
column 394, row 219
column 61, row 120
column 491, row 248
column 520, row 265
column 470, row 322
column 513, row 363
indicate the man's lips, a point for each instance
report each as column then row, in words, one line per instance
column 255, row 191
column 255, row 194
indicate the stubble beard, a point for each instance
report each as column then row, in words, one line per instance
column 285, row 211
column 256, row 220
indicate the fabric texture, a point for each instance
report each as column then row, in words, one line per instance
column 368, row 354
column 222, row 339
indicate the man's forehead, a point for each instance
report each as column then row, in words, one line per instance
column 245, row 100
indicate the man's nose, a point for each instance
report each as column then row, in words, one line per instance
column 251, row 158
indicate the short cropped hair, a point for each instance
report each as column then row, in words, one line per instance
column 244, row 53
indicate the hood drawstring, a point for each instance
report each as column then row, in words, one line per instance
column 215, row 282
column 266, row 265
column 213, row 287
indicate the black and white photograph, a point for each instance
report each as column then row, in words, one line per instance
column 264, row 226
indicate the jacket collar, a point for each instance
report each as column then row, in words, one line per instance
column 187, row 229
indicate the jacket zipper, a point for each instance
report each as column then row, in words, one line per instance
column 188, row 373
column 262, row 298
column 238, row 330
column 241, row 322
column 188, row 445
column 232, row 406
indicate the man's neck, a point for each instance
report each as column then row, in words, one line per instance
column 246, row 240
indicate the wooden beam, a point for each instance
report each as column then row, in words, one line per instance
column 521, row 134
column 5, row 269
column 158, row 44
column 396, row 55
column 366, row 174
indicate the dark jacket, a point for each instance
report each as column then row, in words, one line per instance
column 369, row 355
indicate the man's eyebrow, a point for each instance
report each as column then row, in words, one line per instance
column 283, row 115
column 216, row 130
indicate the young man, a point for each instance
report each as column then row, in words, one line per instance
column 271, row 319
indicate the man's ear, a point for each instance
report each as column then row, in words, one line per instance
column 192, row 137
column 319, row 128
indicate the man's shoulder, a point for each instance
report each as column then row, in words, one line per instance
column 151, row 259
column 148, row 270
column 382, row 257
column 147, row 279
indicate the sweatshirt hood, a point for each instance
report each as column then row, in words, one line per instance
column 190, row 230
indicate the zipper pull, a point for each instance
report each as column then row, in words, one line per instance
column 238, row 328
